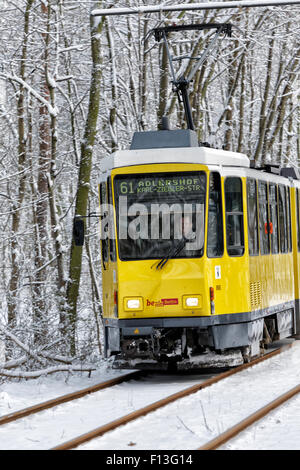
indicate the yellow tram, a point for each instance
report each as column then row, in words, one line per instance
column 210, row 297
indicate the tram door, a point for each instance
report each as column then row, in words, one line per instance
column 215, row 242
column 226, row 245
column 108, row 252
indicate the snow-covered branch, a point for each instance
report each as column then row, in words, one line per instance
column 43, row 372
column 189, row 7
column 52, row 111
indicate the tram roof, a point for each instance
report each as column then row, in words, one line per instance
column 195, row 155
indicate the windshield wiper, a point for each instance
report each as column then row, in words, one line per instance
column 175, row 250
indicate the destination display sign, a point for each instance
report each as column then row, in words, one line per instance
column 178, row 183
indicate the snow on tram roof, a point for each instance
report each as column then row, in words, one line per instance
column 195, row 155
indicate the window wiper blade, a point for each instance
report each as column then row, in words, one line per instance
column 172, row 253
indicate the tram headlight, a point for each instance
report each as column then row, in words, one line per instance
column 192, row 301
column 131, row 303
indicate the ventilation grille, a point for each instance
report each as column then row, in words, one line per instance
column 255, row 294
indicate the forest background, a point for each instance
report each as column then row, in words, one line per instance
column 74, row 88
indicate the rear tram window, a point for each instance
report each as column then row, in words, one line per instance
column 215, row 242
column 273, row 224
column 234, row 216
column 252, row 217
column 283, row 228
column 263, row 218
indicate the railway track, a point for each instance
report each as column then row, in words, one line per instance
column 111, row 425
column 100, row 431
column 245, row 423
column 46, row 423
column 67, row 398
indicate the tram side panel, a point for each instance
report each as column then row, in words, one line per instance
column 295, row 208
column 272, row 294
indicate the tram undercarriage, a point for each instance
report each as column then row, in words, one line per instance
column 175, row 348
column 222, row 345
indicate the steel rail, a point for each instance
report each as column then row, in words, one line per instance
column 188, row 7
column 100, row 431
column 245, row 423
column 14, row 416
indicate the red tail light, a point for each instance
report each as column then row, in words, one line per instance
column 212, row 294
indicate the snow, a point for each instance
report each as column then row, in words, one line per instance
column 18, row 395
column 186, row 424
column 279, row 431
column 191, row 422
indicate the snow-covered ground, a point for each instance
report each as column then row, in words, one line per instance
column 185, row 424
column 57, row 425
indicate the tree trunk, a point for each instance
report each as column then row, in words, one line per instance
column 84, row 179
column 39, row 309
column 16, row 215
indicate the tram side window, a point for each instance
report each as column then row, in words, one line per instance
column 283, row 220
column 252, row 217
column 273, row 225
column 112, row 238
column 298, row 220
column 263, row 218
column 288, row 212
column 215, row 243
column 234, row 216
column 104, row 226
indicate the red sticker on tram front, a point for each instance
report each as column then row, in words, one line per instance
column 170, row 301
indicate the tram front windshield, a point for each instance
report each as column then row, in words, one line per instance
column 160, row 215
